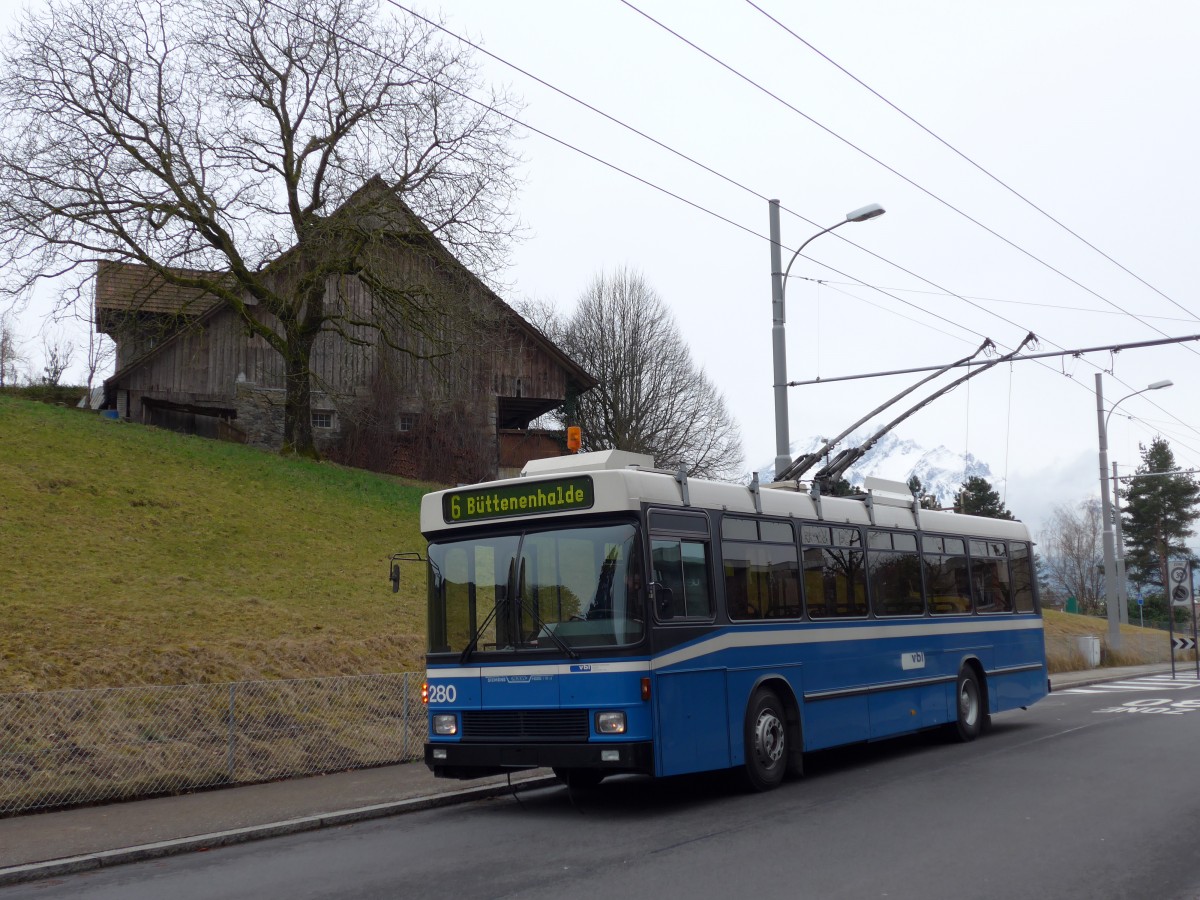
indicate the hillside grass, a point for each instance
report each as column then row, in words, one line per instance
column 132, row 555
column 1139, row 646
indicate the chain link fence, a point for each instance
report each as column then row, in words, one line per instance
column 64, row 748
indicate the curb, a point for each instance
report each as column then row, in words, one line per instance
column 102, row 859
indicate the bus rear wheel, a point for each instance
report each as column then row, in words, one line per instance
column 970, row 717
column 582, row 779
column 766, row 742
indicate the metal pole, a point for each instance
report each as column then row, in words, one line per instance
column 1110, row 565
column 1170, row 613
column 1195, row 636
column 783, row 448
column 1122, row 578
column 1141, row 623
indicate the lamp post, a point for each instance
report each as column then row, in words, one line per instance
column 1119, row 539
column 778, row 348
column 1110, row 567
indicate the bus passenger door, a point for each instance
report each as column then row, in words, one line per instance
column 691, row 733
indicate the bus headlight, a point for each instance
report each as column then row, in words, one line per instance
column 445, row 724
column 610, row 723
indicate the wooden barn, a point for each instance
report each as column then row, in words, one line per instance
column 397, row 401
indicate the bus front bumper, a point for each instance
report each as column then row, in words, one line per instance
column 475, row 760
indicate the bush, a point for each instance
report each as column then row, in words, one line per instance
column 54, row 394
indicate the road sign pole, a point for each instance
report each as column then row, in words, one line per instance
column 1171, row 632
column 1142, row 621
column 1195, row 636
column 1179, row 593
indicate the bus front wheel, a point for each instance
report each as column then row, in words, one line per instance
column 969, row 720
column 766, row 742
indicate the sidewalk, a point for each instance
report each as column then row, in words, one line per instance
column 43, row 845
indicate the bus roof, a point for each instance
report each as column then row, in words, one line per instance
column 612, row 481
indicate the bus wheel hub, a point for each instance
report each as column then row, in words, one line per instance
column 768, row 737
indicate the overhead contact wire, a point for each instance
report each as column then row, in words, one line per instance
column 968, row 159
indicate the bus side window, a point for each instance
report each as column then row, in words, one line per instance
column 682, row 568
column 989, row 578
column 1022, row 576
column 835, row 581
column 947, row 584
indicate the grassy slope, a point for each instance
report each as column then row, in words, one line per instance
column 136, row 556
column 1139, row 645
column 132, row 555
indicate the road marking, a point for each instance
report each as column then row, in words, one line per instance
column 1181, row 682
column 1157, row 705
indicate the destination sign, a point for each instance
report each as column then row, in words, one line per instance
column 477, row 504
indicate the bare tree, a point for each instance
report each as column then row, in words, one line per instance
column 1072, row 548
column 205, row 139
column 57, row 353
column 11, row 357
column 651, row 397
column 101, row 352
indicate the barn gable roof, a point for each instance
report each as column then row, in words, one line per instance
column 125, row 288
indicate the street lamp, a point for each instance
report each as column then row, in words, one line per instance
column 1110, row 568
column 778, row 349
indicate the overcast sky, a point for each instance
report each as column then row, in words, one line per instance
column 1087, row 109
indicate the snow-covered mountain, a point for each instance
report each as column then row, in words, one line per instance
column 941, row 471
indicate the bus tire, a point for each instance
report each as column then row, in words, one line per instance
column 968, row 700
column 766, row 742
column 581, row 779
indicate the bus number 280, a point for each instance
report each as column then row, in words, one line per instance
column 442, row 693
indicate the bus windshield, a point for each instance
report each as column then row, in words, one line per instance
column 537, row 590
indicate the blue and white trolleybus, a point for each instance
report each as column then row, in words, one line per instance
column 599, row 616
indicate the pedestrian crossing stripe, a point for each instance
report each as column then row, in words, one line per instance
column 1147, row 683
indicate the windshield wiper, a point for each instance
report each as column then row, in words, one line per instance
column 521, row 607
column 470, row 648
column 474, row 642
column 559, row 642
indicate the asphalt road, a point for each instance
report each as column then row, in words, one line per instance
column 1089, row 794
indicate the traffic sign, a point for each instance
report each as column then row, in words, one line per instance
column 1183, row 643
column 1180, row 576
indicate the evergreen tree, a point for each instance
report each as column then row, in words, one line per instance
column 1158, row 514
column 842, row 488
column 978, row 498
column 928, row 501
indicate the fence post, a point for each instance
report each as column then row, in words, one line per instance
column 404, row 719
column 232, row 732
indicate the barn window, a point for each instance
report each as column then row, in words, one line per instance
column 406, row 422
column 322, row 419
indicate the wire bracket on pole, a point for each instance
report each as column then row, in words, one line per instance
column 681, row 477
column 756, row 493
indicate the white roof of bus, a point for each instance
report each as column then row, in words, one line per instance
column 622, row 484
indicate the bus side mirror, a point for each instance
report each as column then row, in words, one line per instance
column 406, row 557
column 664, row 601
